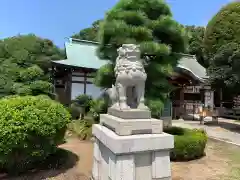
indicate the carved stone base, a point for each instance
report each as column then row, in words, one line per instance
column 125, row 127
column 130, row 114
column 135, row 157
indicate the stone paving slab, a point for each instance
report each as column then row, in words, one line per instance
column 227, row 130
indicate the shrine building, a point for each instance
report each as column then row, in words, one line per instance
column 74, row 76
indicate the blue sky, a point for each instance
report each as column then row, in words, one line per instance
column 59, row 19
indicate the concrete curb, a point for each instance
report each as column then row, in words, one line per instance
column 229, row 142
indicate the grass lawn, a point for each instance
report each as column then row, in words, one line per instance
column 222, row 162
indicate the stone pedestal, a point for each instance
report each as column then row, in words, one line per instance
column 209, row 98
column 128, row 148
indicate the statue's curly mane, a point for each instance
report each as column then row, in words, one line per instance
column 128, row 55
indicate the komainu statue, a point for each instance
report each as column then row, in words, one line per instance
column 128, row 92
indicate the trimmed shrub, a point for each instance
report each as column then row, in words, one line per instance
column 174, row 130
column 31, row 129
column 188, row 144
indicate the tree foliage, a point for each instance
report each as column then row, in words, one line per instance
column 221, row 46
column 90, row 33
column 195, row 40
column 222, row 29
column 24, row 65
column 149, row 24
column 224, row 68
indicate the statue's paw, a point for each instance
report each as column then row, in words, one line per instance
column 124, row 107
column 115, row 106
column 142, row 106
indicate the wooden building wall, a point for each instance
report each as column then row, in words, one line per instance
column 76, row 81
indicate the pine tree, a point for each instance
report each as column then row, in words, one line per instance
column 148, row 23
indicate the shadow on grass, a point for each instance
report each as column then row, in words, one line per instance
column 54, row 165
column 225, row 125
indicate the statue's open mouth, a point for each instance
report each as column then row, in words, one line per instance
column 133, row 55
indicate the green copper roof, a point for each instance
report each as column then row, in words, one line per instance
column 81, row 53
column 190, row 64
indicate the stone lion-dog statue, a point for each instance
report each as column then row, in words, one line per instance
column 129, row 88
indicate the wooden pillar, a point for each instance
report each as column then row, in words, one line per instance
column 201, row 119
column 68, row 86
column 182, row 112
column 85, row 83
column 215, row 115
column 221, row 97
column 53, row 82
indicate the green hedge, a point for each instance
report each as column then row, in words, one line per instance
column 188, row 144
column 31, row 128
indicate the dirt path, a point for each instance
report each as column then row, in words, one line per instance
column 214, row 166
column 84, row 151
